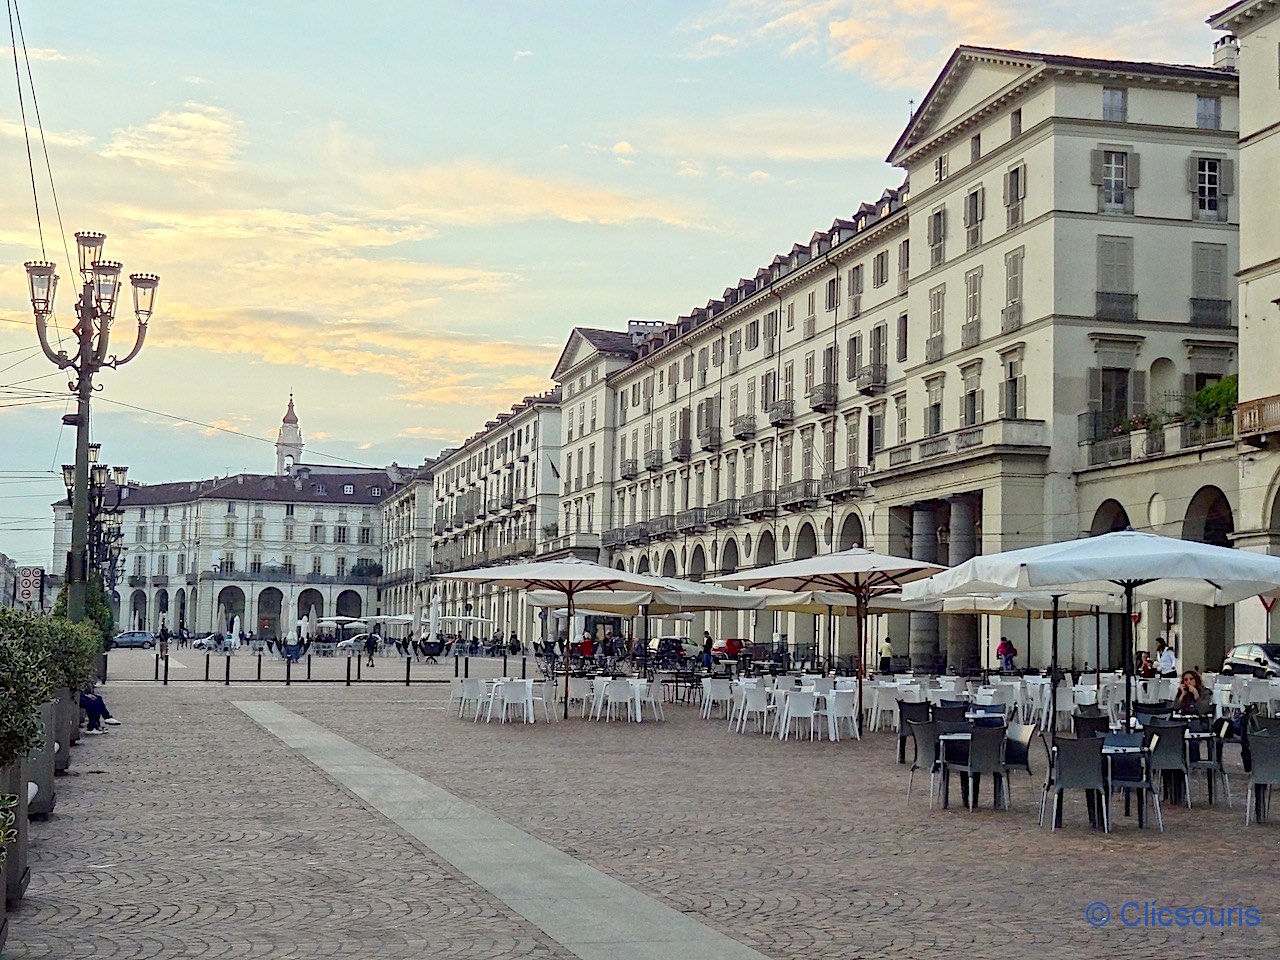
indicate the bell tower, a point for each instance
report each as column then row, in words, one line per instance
column 288, row 442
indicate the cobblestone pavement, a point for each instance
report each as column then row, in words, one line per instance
column 190, row 832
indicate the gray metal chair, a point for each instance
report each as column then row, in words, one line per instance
column 908, row 714
column 986, row 755
column 1132, row 771
column 1211, row 763
column 1076, row 765
column 1087, row 726
column 1169, row 754
column 1265, row 748
column 950, row 714
column 928, row 754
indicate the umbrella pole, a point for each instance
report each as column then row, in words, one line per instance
column 568, row 596
column 860, row 632
column 1097, row 639
column 831, row 639
column 1028, row 638
column 986, row 656
column 1127, row 633
column 1053, row 674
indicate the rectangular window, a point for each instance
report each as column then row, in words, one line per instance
column 340, row 534
column 230, row 529
column 904, row 265
column 288, row 509
column 789, row 380
column 288, row 531
column 851, row 441
column 833, row 293
column 879, row 346
column 753, row 334
column 1013, row 392
column 900, row 410
column 366, row 536
column 315, row 564
column 1209, row 180
column 791, row 316
column 733, row 403
column 940, row 166
column 1115, row 104
column 1115, row 264
column 811, row 302
column 257, row 531
column 1209, row 271
column 974, row 210
column 937, row 323
column 1209, row 113
column 853, row 359
column 975, row 148
column 1115, row 172
column 808, row 373
column 902, row 338
column 1011, row 315
column 288, row 565
column 875, row 433
column 971, row 398
column 228, row 563
column 182, row 564
column 255, row 565
column 342, row 566
column 937, row 228
column 880, row 269
column 317, row 533
column 1015, row 191
column 933, row 407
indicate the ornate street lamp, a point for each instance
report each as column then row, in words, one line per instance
column 95, row 316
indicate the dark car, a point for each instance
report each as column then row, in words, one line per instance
column 134, row 638
column 1253, row 659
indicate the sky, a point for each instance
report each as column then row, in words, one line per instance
column 397, row 210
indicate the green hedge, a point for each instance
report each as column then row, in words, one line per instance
column 26, row 681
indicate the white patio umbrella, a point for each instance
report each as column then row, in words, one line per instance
column 568, row 577
column 861, row 573
column 433, row 617
column 1139, row 564
column 416, row 632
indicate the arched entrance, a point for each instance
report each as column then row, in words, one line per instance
column 643, row 565
column 180, row 609
column 766, row 623
column 851, row 533
column 349, row 604
column 697, row 563
column 804, row 626
column 1109, row 517
column 270, row 604
column 806, row 543
column 1207, row 632
column 160, row 604
column 766, row 551
column 729, row 557
column 138, row 610
column 310, row 602
column 229, row 606
column 669, row 564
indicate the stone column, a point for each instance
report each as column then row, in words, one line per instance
column 962, row 631
column 923, row 643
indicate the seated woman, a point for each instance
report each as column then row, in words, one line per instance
column 1192, row 697
column 1146, row 669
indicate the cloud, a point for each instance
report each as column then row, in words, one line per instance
column 901, row 43
column 623, row 149
column 690, row 168
column 780, row 134
column 46, row 54
column 67, row 138
column 522, row 54
column 196, row 137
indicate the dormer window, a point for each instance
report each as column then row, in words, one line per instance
column 376, row 491
column 348, row 488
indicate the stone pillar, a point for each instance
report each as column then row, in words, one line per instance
column 962, row 631
column 923, row 642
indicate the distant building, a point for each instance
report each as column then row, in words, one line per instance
column 267, row 548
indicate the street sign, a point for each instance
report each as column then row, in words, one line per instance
column 30, row 584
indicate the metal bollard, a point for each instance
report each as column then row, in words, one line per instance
column 504, row 663
column 157, row 666
column 227, row 682
column 166, row 669
column 524, row 668
column 408, row 662
column 308, row 666
column 359, row 667
column 206, row 666
column 259, row 664
column 288, row 671
column 466, row 666
column 455, row 666
column 348, row 671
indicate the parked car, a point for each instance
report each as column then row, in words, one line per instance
column 354, row 646
column 1253, row 659
column 134, row 638
column 692, row 649
column 215, row 641
column 727, row 647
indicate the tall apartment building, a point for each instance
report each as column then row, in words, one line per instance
column 920, row 377
column 496, row 500
column 407, row 515
column 1254, row 37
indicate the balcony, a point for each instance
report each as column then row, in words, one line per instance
column 900, row 456
column 459, row 520
column 1116, row 306
column 935, row 447
column 1210, row 313
column 440, row 527
column 160, row 580
column 1210, row 431
column 1110, row 451
column 630, row 469
column 872, row 378
column 191, row 579
column 653, row 460
column 782, row 413
column 759, row 504
column 495, row 504
column 799, row 495
column 662, row 528
column 612, row 539
column 823, row 397
column 636, row 533
column 933, row 348
column 586, row 545
column 709, row 439
column 681, row 450
column 723, row 512
column 744, row 427
column 693, row 520
column 842, row 484
column 1258, row 418
column 506, row 501
column 1011, row 317
column 970, row 334
column 137, row 580
column 1095, row 425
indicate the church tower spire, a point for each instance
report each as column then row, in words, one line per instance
column 288, row 442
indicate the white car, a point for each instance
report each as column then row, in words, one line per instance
column 354, row 646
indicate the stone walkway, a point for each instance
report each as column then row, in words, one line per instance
column 192, row 831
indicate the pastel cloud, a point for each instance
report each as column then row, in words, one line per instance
column 195, row 136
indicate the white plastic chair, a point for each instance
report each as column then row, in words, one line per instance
column 580, row 692
column 756, row 704
column 823, row 685
column 618, row 693
column 652, row 697
column 716, row 691
column 455, row 691
column 801, row 705
column 598, row 697
column 473, row 691
column 514, row 695
column 841, row 707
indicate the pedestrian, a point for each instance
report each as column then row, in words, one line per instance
column 370, row 647
column 707, row 660
column 164, row 641
column 1166, row 660
column 96, row 708
column 1006, row 651
column 886, row 655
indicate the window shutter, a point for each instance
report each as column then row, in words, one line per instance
column 1193, row 171
column 1022, row 181
column 932, row 229
column 1093, row 377
column 1188, row 386
column 969, row 210
column 1133, row 170
column 1095, row 167
column 942, row 223
column 982, row 203
column 1008, row 191
column 1138, row 391
column 1226, row 177
column 1004, row 398
column 978, row 418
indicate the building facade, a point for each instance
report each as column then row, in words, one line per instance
column 407, row 516
column 1254, row 36
column 496, row 500
column 267, row 548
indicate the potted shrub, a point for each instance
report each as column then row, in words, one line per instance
column 72, row 656
column 24, row 689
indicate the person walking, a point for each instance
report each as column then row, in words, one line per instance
column 886, row 655
column 1006, row 651
column 370, row 647
column 1166, row 659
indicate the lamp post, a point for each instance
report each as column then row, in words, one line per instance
column 95, row 315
